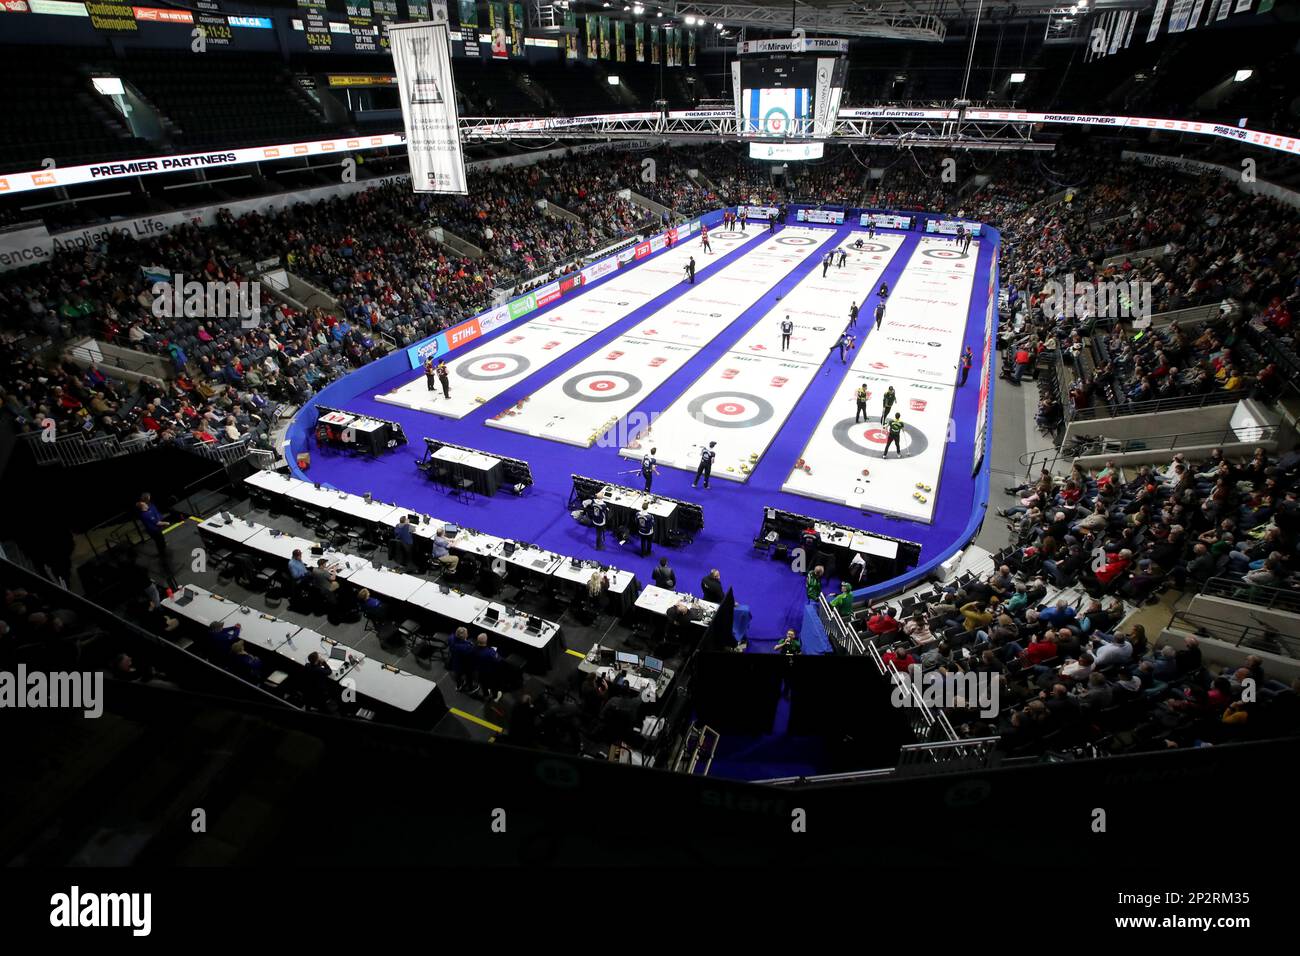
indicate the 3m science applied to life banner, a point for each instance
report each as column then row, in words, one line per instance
column 422, row 61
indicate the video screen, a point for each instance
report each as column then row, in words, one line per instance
column 776, row 95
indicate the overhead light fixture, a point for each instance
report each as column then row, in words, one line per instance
column 613, row 80
column 690, row 21
column 109, row 85
column 1243, row 75
column 1017, row 77
column 638, row 9
column 659, row 13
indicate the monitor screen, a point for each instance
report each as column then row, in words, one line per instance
column 625, row 657
column 776, row 95
column 654, row 664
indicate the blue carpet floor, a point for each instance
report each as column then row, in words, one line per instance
column 732, row 512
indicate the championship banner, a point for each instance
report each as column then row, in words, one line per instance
column 593, row 45
column 516, row 29
column 1179, row 15
column 419, row 10
column 690, row 48
column 386, row 14
column 638, row 31
column 107, row 16
column 316, row 25
column 1156, row 18
column 497, row 30
column 469, row 27
column 215, row 27
column 654, row 44
column 422, row 59
column 571, row 35
column 620, row 42
column 670, row 46
column 1196, row 15
column 362, row 27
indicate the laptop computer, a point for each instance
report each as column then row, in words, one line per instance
column 652, row 667
column 627, row 657
column 492, row 615
column 338, row 653
column 534, row 625
column 509, row 548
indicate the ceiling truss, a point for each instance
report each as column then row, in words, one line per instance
column 925, row 133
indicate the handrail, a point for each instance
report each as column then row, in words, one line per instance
column 1173, row 403
column 1218, row 437
column 78, row 449
column 1238, row 635
column 844, row 636
column 1274, row 599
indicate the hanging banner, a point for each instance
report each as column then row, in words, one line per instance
column 602, row 34
column 593, row 47
column 1196, row 15
column 670, row 46
column 570, row 35
column 1156, row 17
column 1121, row 30
column 386, row 14
column 677, row 46
column 469, row 27
column 316, row 25
column 638, row 31
column 620, row 42
column 690, row 48
column 361, row 26
column 422, row 59
column 1242, row 6
column 516, row 29
column 1179, row 15
column 111, row 16
column 497, row 30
